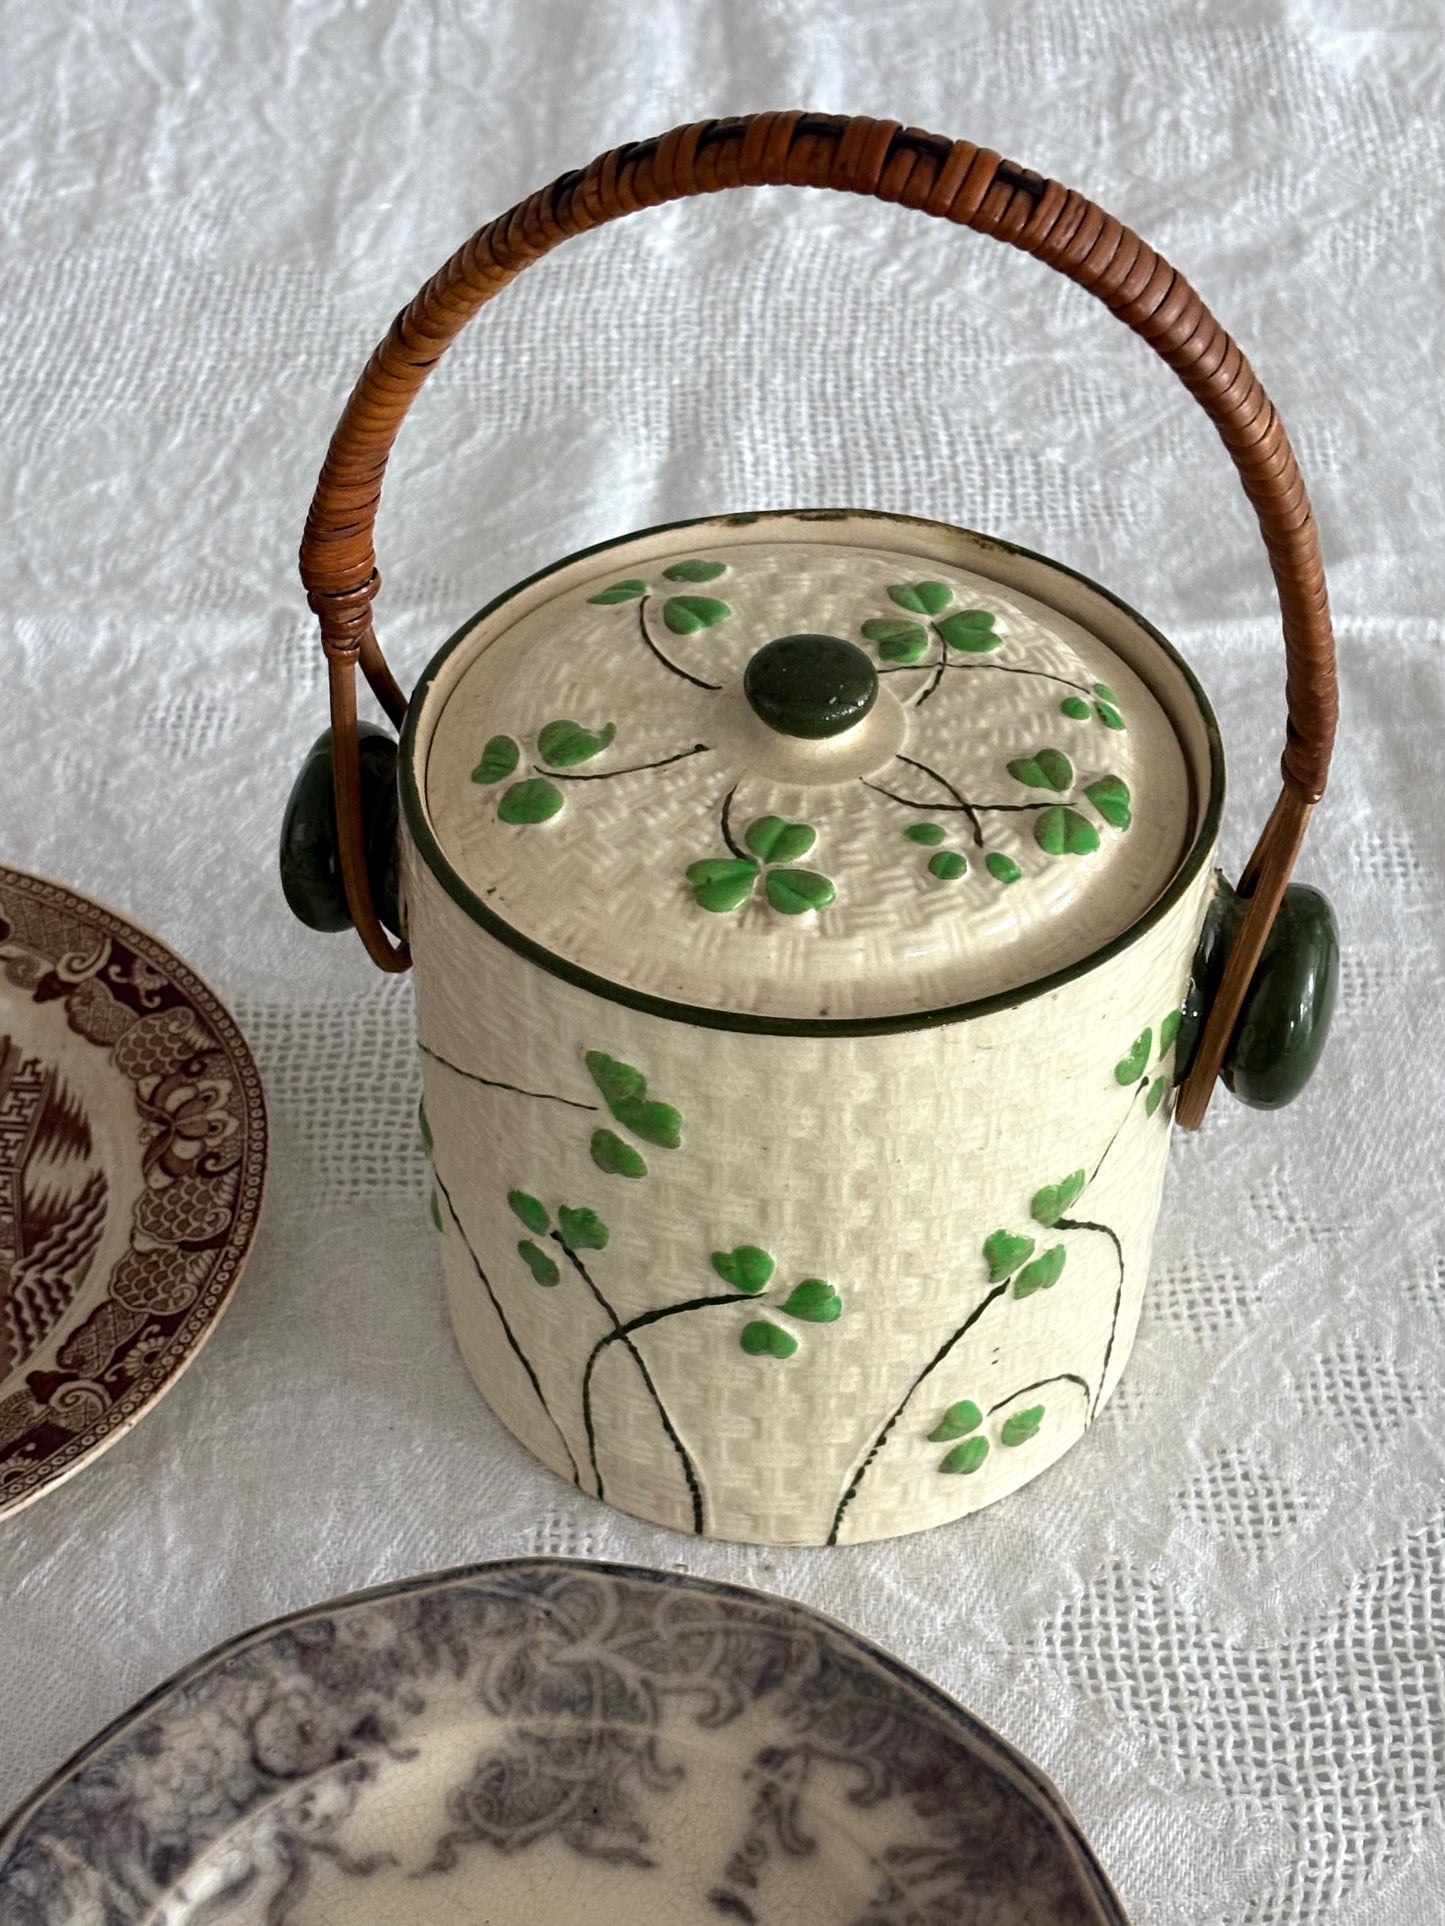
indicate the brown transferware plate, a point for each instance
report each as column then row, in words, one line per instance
column 132, row 1157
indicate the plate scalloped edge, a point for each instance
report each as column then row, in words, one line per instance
column 88, row 1346
column 295, row 1720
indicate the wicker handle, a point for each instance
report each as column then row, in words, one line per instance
column 962, row 183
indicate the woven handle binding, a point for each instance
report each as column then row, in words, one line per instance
column 960, row 182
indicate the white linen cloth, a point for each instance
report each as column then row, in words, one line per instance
column 1219, row 1621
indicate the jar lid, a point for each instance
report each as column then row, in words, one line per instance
column 827, row 765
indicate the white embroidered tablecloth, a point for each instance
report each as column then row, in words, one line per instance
column 1220, row 1622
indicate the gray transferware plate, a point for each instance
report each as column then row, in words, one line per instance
column 542, row 1740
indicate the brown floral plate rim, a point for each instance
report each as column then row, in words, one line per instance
column 175, row 1340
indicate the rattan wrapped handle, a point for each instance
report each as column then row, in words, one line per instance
column 960, row 182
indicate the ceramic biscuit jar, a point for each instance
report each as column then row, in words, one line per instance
column 816, row 930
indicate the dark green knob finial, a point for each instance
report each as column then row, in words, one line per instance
column 810, row 685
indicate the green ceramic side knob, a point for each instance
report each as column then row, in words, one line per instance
column 310, row 855
column 1285, row 1018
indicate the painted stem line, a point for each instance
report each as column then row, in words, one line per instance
column 1067, row 1223
column 878, row 1443
column 1082, row 1224
column 622, row 1333
column 960, row 804
column 636, row 769
column 974, row 668
column 510, row 1334
column 1091, row 1400
column 689, row 1470
column 666, row 660
column 1139, row 1090
column 1042, row 1384
column 491, row 1083
column 725, row 823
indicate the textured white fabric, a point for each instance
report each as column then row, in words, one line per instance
column 1219, row 1621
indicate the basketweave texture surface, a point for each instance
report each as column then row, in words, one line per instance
column 862, row 1285
column 688, row 849
column 1217, row 1622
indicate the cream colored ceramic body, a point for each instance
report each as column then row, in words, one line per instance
column 744, row 1267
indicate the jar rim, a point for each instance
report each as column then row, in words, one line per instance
column 1207, row 808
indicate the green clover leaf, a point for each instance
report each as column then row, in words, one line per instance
column 957, row 1421
column 929, row 834
column 543, row 1270
column 760, row 1339
column 564, row 742
column 686, row 614
column 1004, row 1252
column 1156, row 1095
column 722, row 883
column 695, row 571
column 1169, row 1031
column 1110, row 797
column 1045, row 769
column 1022, row 1426
column 814, row 1301
column 499, row 759
column 534, row 801
column 747, row 1268
column 655, row 1123
column 792, row 891
column 921, row 598
column 620, row 592
column 970, row 631
column 530, row 1210
column 1064, row 832
column 615, row 1081
column 624, row 1091
column 1108, row 715
column 1042, row 1274
column 582, row 1229
column 773, row 840
column 948, row 865
column 617, row 1158
column 1130, row 1068
column 1002, row 868
column 1075, row 708
column 1053, row 1200
column 967, row 1456
column 898, row 641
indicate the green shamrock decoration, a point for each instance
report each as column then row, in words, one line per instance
column 969, row 631
column 749, row 1269
column 724, row 883
column 624, row 1091
column 561, row 745
column 1106, row 709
